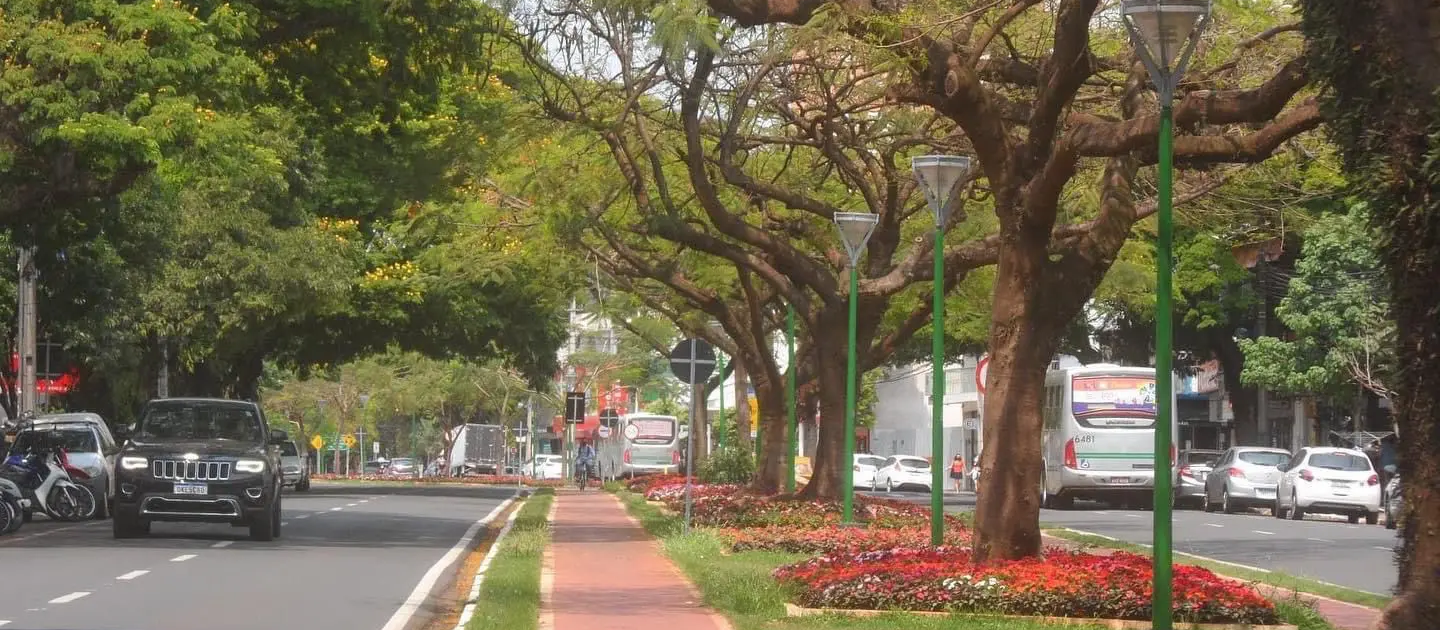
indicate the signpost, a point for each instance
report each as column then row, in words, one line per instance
column 692, row 361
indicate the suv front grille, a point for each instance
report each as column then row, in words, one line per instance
column 190, row 471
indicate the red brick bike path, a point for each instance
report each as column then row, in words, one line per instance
column 608, row 574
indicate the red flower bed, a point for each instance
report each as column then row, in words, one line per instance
column 836, row 540
column 674, row 494
column 644, row 483
column 1061, row 584
column 731, row 508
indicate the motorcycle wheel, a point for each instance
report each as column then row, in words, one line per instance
column 9, row 516
column 72, row 503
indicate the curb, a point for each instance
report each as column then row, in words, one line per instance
column 791, row 610
column 411, row 613
column 470, row 602
column 547, row 575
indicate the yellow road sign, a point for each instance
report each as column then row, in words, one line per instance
column 317, row 443
column 349, row 440
column 754, row 415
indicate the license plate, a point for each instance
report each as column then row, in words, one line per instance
column 192, row 488
column 1340, row 484
column 1265, row 492
column 1119, row 480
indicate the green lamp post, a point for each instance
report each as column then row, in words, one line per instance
column 855, row 231
column 939, row 176
column 1164, row 33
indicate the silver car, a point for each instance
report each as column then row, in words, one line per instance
column 1195, row 466
column 295, row 467
column 91, row 447
column 1244, row 476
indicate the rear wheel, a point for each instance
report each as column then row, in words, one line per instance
column 1225, row 505
column 1372, row 518
column 1296, row 513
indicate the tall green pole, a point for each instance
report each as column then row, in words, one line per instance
column 937, row 392
column 847, row 461
column 790, row 402
column 720, row 367
column 1163, row 385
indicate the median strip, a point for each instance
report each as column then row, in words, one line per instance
column 506, row 591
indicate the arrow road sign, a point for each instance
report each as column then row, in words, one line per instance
column 692, row 361
column 575, row 407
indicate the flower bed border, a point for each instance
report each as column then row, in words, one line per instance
column 792, row 610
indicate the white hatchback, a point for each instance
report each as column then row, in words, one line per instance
column 903, row 470
column 1327, row 480
column 544, row 467
column 865, row 468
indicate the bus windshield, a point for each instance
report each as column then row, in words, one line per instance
column 1113, row 401
column 654, row 430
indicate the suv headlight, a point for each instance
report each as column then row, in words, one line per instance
column 250, row 465
column 134, row 463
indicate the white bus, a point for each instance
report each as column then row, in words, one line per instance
column 640, row 443
column 1099, row 438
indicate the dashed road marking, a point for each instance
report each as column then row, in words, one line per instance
column 1384, row 548
column 1102, row 512
column 4, row 622
column 1322, row 540
column 364, row 500
column 14, row 539
column 182, row 558
column 222, row 544
column 1134, row 516
column 300, row 516
column 1214, row 525
column 284, row 523
column 336, row 509
column 351, row 504
column 65, row 599
column 1261, row 531
column 132, row 575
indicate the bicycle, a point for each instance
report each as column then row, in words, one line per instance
column 582, row 476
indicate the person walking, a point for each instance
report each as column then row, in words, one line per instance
column 957, row 472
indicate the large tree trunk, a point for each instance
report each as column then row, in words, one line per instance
column 831, row 354
column 775, row 433
column 1023, row 339
column 1242, row 397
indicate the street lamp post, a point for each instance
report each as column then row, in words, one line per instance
column 855, row 231
column 364, row 400
column 792, row 450
column 1165, row 33
column 939, row 176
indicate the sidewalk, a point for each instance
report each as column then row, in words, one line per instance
column 610, row 575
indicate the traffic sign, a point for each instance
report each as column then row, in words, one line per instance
column 692, row 361
column 317, row 443
column 603, row 432
column 982, row 372
column 575, row 407
column 609, row 418
column 349, row 440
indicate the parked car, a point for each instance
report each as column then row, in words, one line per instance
column 865, row 469
column 903, row 470
column 1328, row 480
column 295, row 467
column 1244, row 476
column 544, row 467
column 90, row 446
column 1195, row 464
column 374, row 468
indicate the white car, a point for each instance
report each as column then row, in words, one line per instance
column 544, row 467
column 1327, row 480
column 865, row 468
column 903, row 470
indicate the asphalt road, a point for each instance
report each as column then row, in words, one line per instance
column 1354, row 556
column 348, row 557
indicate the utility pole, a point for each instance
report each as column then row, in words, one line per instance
column 1262, row 397
column 25, row 345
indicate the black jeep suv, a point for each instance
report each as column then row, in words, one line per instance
column 199, row 460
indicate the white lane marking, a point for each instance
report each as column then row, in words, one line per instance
column 336, row 509
column 14, row 539
column 132, row 575
column 1101, row 512
column 182, row 558
column 1263, row 532
column 1135, row 516
column 1214, row 525
column 1384, row 548
column 284, row 523
column 351, row 504
column 364, row 500
column 407, row 610
column 1317, row 540
column 222, row 544
column 4, row 622
column 65, row 599
column 300, row 516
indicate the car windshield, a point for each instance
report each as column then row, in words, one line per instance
column 401, row 462
column 1264, row 458
column 1201, row 458
column 918, row 464
column 76, row 440
column 200, row 420
column 1340, row 461
column 872, row 461
column 288, row 450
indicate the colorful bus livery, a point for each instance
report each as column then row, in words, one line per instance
column 1099, row 437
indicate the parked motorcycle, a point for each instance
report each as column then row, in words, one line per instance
column 12, row 507
column 46, row 480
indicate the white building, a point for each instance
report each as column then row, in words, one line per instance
column 903, row 411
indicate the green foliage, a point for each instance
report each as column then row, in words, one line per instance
column 1337, row 309
column 732, row 464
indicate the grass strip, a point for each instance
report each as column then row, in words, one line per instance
column 1271, row 578
column 510, row 594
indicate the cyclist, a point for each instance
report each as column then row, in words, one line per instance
column 585, row 460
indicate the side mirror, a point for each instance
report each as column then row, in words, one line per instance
column 278, row 436
column 123, row 433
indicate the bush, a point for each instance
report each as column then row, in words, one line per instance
column 836, row 540
column 732, row 464
column 1061, row 584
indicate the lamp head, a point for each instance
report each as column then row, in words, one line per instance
column 939, row 175
column 855, row 231
column 1165, row 31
